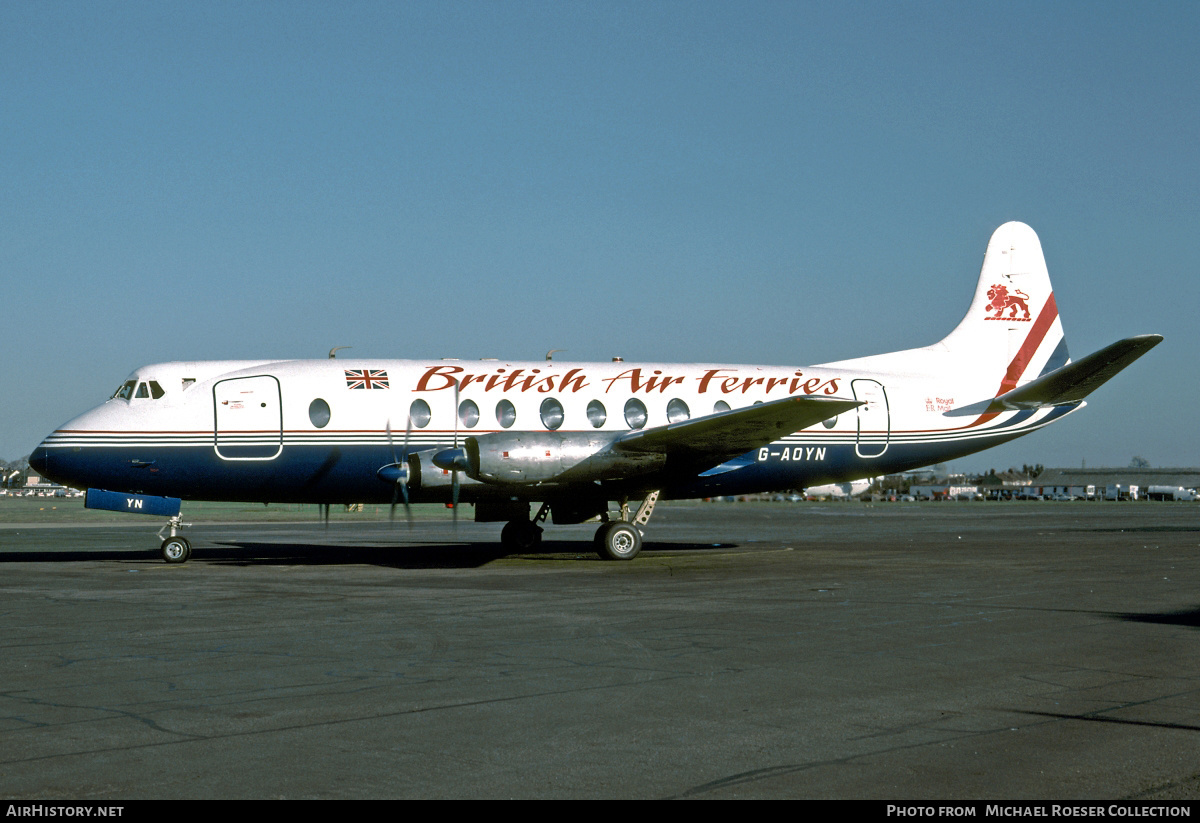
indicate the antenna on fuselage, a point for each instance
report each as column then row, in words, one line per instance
column 333, row 352
column 550, row 354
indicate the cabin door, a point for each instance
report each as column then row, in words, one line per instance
column 874, row 419
column 249, row 418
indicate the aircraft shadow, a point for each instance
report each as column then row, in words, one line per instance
column 1093, row 718
column 432, row 555
column 1189, row 618
column 1130, row 530
column 436, row 555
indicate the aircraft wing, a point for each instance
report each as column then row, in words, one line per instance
column 718, row 437
column 1077, row 380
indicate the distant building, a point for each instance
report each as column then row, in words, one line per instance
column 37, row 483
column 1083, row 484
column 1116, row 483
column 1188, row 478
column 1004, row 480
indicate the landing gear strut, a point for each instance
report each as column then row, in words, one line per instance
column 175, row 548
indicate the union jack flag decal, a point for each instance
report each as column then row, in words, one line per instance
column 366, row 379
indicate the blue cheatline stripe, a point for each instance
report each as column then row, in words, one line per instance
column 1058, row 358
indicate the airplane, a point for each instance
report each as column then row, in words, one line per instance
column 579, row 438
column 848, row 488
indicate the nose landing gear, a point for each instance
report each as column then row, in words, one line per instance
column 175, row 548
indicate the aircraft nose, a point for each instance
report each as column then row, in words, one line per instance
column 57, row 465
column 39, row 460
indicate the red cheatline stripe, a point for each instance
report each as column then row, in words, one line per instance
column 1020, row 363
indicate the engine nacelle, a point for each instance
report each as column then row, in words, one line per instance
column 522, row 458
column 423, row 474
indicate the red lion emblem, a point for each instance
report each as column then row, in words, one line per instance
column 1002, row 300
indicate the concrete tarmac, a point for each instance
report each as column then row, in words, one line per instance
column 894, row 651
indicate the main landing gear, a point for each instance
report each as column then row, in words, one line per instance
column 622, row 539
column 615, row 539
column 523, row 535
column 175, row 548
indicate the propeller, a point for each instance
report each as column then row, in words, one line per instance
column 453, row 460
column 397, row 473
column 454, row 473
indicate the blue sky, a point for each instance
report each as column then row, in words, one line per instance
column 755, row 182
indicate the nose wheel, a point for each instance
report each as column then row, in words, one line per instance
column 175, row 548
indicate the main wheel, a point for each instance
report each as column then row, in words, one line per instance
column 176, row 549
column 618, row 541
column 520, row 536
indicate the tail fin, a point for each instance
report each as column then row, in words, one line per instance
column 1012, row 327
column 1009, row 351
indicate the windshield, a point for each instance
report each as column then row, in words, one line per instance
column 148, row 389
column 125, row 392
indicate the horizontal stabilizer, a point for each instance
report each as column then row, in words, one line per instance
column 1075, row 381
column 718, row 437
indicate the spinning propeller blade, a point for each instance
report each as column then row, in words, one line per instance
column 399, row 474
column 454, row 473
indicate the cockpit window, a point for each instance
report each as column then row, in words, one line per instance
column 125, row 392
column 134, row 389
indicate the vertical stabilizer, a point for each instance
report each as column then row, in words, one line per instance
column 1012, row 329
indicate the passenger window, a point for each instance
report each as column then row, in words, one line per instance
column 318, row 413
column 596, row 413
column 419, row 413
column 678, row 411
column 635, row 413
column 552, row 413
column 468, row 413
column 506, row 413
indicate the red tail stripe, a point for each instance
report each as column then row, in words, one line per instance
column 1037, row 334
column 1020, row 363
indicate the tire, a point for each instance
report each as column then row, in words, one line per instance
column 520, row 536
column 618, row 541
column 176, row 550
